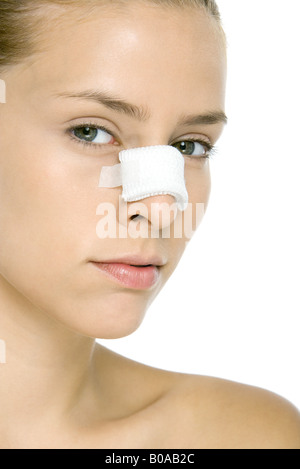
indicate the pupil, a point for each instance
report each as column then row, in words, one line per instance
column 87, row 133
column 187, row 147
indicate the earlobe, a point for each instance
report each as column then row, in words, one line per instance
column 2, row 92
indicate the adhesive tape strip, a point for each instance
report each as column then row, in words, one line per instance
column 146, row 172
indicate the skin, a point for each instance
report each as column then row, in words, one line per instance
column 59, row 389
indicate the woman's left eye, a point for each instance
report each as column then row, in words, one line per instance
column 193, row 148
column 94, row 135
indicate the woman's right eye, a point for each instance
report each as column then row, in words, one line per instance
column 93, row 135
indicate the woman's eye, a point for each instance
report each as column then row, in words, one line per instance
column 191, row 148
column 93, row 135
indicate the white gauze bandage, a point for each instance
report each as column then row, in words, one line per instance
column 148, row 171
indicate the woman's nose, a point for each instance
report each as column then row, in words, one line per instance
column 158, row 211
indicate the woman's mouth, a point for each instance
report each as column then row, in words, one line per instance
column 138, row 277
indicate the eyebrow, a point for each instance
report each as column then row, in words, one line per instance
column 209, row 118
column 139, row 112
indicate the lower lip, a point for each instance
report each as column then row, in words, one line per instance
column 138, row 278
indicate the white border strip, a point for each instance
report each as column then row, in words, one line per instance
column 2, row 352
column 2, row 92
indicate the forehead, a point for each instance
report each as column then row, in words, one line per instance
column 139, row 51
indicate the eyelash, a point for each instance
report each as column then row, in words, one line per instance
column 211, row 149
column 84, row 142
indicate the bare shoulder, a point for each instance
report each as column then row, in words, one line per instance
column 224, row 414
column 190, row 411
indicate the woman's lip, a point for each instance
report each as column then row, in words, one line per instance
column 136, row 259
column 130, row 276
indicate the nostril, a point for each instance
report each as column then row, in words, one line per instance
column 133, row 217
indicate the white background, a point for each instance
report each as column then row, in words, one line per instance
column 232, row 307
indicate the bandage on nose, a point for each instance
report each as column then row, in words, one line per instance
column 146, row 172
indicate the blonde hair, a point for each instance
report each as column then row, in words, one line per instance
column 23, row 22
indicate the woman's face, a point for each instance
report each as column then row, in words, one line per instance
column 169, row 65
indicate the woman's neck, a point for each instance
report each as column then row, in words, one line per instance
column 48, row 369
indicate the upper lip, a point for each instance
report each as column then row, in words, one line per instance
column 137, row 260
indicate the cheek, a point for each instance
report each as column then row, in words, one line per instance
column 198, row 182
column 47, row 209
column 47, row 227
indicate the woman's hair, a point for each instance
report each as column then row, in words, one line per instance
column 23, row 22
